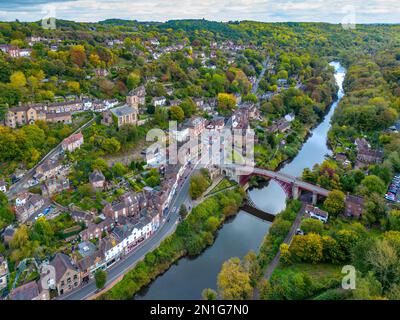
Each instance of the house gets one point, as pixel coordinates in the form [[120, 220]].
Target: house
[[122, 115], [282, 125], [127, 205], [174, 103], [3, 272], [369, 156], [65, 107], [196, 126], [181, 133], [342, 159], [315, 213], [62, 117], [30, 291], [362, 144], [3, 186], [8, 234], [73, 142], [79, 216], [97, 179], [158, 101], [21, 115], [95, 231], [28, 206], [216, 123], [67, 275], [199, 102], [92, 259], [353, 206], [48, 169], [365, 154], [53, 186], [136, 97], [101, 72]]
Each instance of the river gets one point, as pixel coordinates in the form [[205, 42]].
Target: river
[[189, 276]]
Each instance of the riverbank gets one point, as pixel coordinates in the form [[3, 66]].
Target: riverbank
[[191, 237]]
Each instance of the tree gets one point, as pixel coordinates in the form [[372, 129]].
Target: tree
[[209, 294], [334, 202], [284, 254], [198, 184], [367, 288], [312, 225], [111, 145], [189, 107], [42, 231], [307, 248], [384, 263], [372, 184], [18, 79], [183, 211], [100, 277], [133, 80], [119, 170], [394, 220], [226, 103], [177, 113], [234, 281], [78, 55], [100, 164]]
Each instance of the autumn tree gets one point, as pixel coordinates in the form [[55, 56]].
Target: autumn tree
[[234, 281], [78, 55], [334, 202], [226, 103]]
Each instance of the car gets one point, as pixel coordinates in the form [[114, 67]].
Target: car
[[300, 232]]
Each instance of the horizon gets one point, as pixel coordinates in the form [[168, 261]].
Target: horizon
[[268, 11]]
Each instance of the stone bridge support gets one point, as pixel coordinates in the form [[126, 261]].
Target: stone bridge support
[[314, 198], [295, 192]]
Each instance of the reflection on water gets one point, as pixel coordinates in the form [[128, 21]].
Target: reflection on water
[[189, 277], [272, 198]]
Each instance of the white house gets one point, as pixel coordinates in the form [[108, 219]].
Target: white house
[[158, 101]]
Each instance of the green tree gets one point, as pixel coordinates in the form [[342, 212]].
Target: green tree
[[312, 225], [372, 184], [177, 113], [334, 202], [209, 294], [100, 277], [183, 211]]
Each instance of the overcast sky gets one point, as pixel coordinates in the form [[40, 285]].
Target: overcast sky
[[335, 11]]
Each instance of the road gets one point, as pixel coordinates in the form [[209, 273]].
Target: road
[[261, 75], [129, 261], [19, 186], [288, 240]]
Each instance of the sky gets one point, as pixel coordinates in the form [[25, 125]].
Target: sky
[[333, 11]]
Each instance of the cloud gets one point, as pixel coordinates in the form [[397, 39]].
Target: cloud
[[365, 11]]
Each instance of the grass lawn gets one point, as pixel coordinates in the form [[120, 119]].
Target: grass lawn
[[316, 271], [224, 184]]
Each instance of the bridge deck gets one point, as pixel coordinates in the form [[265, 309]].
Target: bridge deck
[[284, 177]]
